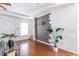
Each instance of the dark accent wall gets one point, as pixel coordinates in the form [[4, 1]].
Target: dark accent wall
[[41, 28], [36, 28]]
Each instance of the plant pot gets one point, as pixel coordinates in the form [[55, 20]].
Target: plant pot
[[10, 44], [55, 49]]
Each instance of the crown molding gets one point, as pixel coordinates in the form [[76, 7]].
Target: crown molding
[[14, 14]]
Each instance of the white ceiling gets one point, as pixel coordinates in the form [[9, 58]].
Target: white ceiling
[[29, 8]]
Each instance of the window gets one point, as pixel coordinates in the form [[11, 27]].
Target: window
[[24, 28]]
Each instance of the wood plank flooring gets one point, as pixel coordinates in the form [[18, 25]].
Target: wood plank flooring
[[34, 48]]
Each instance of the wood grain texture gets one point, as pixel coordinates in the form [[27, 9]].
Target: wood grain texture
[[34, 48]]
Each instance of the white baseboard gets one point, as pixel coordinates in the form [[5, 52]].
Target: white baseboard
[[43, 42]]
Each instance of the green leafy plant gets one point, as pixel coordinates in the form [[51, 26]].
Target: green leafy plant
[[10, 41], [49, 29], [55, 34], [5, 35]]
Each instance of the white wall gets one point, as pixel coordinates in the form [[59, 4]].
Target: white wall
[[7, 24], [66, 17], [11, 24]]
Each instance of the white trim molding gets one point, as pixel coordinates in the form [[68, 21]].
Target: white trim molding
[[42, 42], [14, 14]]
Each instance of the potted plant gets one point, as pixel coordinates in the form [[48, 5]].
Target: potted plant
[[10, 42], [54, 33]]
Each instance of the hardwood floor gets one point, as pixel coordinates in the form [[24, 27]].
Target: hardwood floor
[[34, 48]]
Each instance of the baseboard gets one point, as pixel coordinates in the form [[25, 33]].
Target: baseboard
[[69, 51], [43, 42]]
